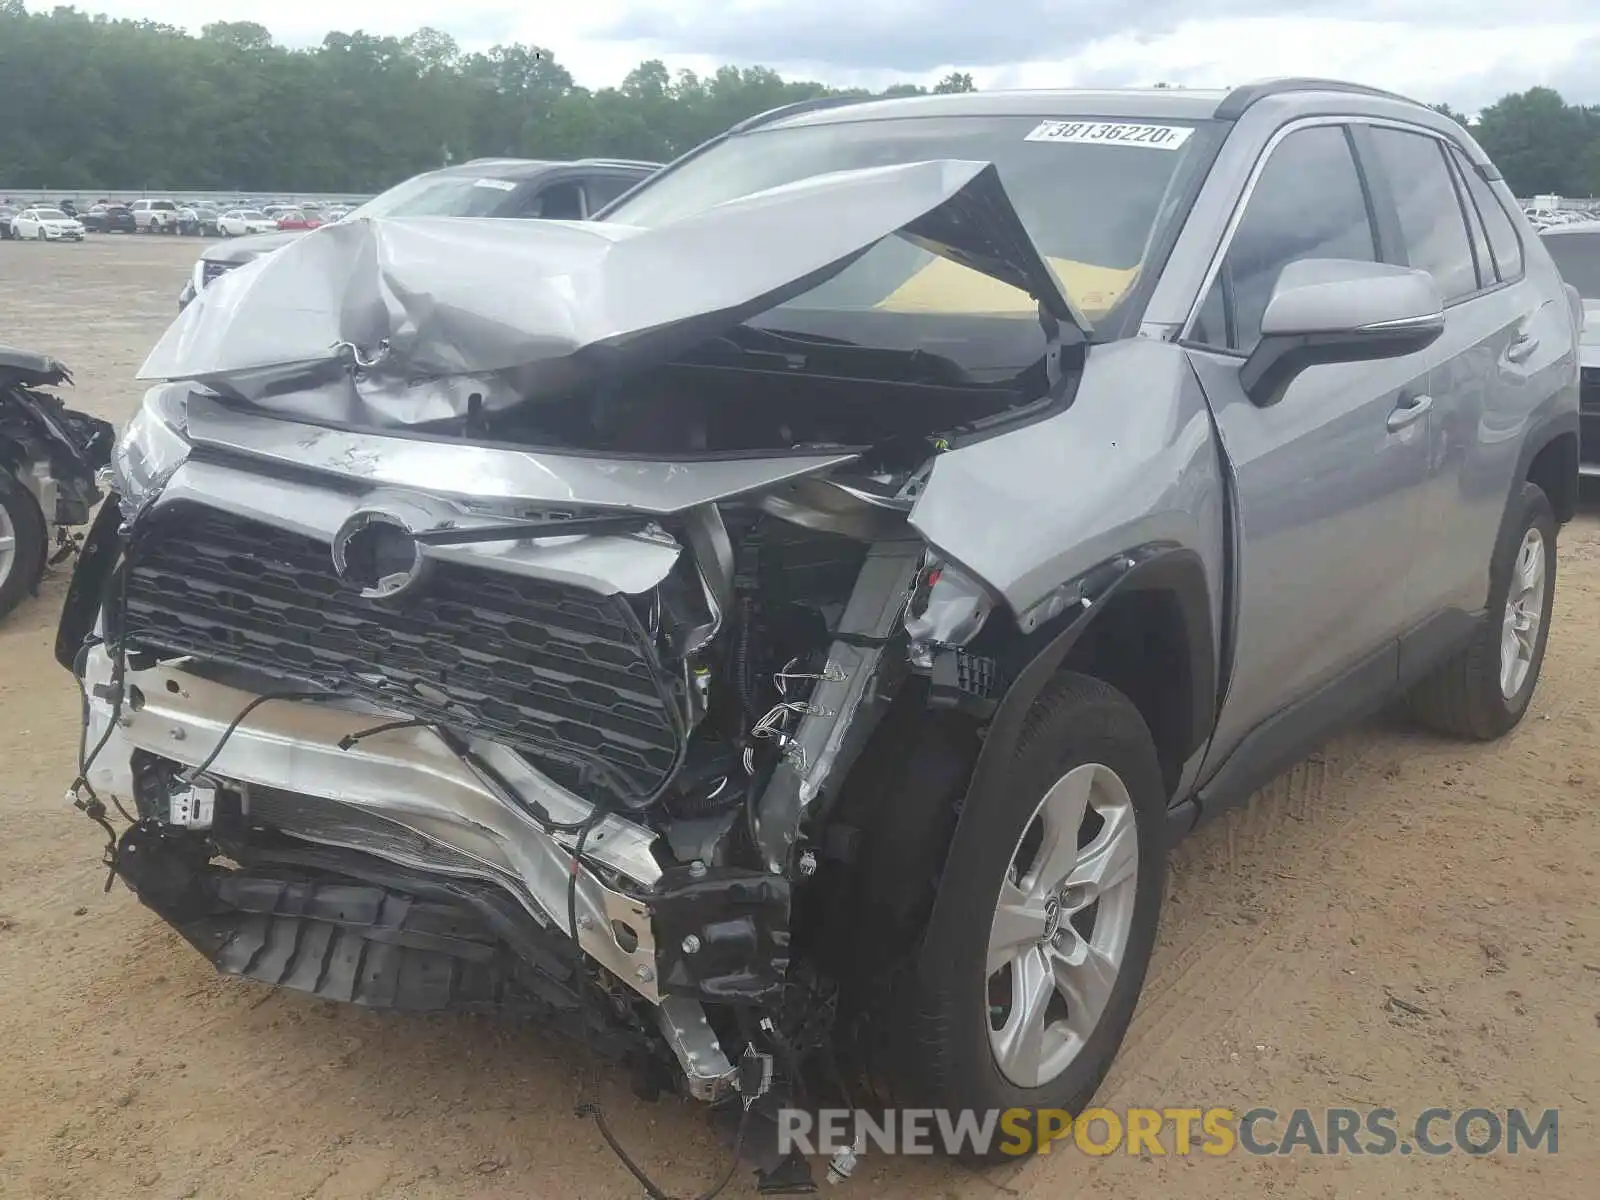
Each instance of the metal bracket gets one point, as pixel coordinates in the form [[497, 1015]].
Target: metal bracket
[[705, 1065]]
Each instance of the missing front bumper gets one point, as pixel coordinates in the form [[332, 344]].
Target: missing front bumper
[[403, 796]]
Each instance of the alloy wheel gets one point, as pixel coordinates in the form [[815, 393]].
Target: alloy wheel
[[1524, 614], [8, 547], [1062, 925]]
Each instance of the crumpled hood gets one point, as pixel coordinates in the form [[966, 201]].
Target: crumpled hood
[[557, 302]]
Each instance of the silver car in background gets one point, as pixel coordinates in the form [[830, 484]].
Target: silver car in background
[[1575, 247]]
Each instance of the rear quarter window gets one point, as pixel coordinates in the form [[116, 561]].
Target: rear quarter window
[[1503, 239]]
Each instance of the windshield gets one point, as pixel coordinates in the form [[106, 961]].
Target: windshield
[[51, 214], [251, 214], [1577, 257], [441, 196], [1092, 207]]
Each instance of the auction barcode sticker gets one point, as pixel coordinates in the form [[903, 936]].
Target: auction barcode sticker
[[1111, 133]]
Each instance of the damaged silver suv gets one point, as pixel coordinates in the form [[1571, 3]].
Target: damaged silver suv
[[780, 626]]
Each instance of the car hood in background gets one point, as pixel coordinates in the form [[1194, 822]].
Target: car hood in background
[[238, 251], [546, 305]]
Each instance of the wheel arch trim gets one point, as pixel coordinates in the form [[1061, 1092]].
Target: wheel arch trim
[[1176, 570]]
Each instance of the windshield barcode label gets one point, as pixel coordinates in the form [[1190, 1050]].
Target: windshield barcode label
[[1111, 133]]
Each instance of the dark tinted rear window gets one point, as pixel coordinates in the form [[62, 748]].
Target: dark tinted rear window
[[1577, 257]]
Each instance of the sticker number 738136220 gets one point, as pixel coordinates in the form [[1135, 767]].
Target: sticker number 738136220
[[1111, 133]]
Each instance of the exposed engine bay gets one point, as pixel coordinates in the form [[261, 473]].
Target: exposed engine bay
[[568, 689]]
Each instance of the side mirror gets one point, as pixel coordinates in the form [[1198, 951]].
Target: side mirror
[[1328, 310]]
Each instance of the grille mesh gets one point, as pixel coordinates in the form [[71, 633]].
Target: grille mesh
[[559, 674]]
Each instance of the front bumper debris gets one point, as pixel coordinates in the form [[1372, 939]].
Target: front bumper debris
[[402, 795]]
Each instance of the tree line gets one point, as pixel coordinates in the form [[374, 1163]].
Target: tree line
[[88, 102]]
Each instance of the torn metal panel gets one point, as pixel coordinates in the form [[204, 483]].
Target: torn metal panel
[[552, 303]]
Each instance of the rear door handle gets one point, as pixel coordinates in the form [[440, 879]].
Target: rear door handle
[[1521, 350], [1408, 410]]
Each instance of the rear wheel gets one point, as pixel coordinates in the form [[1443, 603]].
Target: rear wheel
[[1485, 689], [1038, 944], [22, 542]]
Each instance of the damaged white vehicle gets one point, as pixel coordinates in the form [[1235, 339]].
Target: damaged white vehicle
[[775, 630]]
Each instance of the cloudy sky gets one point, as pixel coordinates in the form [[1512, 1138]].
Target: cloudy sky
[[1465, 52]]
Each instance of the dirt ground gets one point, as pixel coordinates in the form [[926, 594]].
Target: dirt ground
[[1401, 922]]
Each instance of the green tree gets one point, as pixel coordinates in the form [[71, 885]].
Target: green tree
[[1541, 143], [1460, 118]]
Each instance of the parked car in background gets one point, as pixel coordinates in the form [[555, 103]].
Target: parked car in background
[[1575, 246], [70, 207], [490, 187], [155, 216], [241, 222], [298, 219], [1013, 481], [7, 211], [46, 225], [199, 220], [109, 218], [336, 212]]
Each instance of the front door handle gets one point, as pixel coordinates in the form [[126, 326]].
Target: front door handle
[[1521, 350], [1407, 411]]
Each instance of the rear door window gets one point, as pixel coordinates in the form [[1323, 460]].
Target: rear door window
[[558, 202], [603, 189], [1503, 239], [1433, 228]]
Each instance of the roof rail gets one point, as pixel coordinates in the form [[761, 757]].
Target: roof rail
[[1235, 103], [795, 109], [619, 162]]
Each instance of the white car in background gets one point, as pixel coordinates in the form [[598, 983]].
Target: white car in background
[[240, 222], [155, 216], [46, 225]]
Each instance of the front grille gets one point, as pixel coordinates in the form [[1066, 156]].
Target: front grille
[[561, 675]]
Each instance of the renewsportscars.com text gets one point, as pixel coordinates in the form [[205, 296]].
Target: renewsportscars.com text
[[1173, 1131]]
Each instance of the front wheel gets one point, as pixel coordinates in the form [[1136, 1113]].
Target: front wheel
[[1484, 690], [1038, 944], [22, 542]]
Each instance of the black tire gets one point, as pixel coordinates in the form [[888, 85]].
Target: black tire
[[942, 1052], [27, 563], [1463, 697]]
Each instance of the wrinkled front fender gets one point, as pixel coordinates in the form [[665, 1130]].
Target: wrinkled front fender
[[1132, 460]]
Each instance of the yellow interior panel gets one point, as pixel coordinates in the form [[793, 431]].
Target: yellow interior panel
[[948, 287]]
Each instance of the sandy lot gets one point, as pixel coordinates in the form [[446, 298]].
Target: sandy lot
[[1457, 880]]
